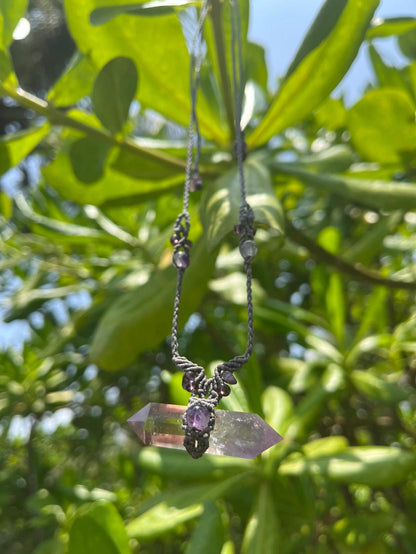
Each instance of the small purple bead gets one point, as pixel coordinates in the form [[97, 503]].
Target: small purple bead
[[188, 382], [196, 182], [237, 229], [228, 377], [174, 240], [224, 390], [180, 259], [197, 417]]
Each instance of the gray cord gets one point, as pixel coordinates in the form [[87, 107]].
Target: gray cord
[[207, 392]]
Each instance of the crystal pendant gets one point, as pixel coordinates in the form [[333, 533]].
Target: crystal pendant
[[237, 434]]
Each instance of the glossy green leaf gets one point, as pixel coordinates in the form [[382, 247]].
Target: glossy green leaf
[[174, 464], [335, 306], [277, 407], [6, 206], [13, 148], [75, 83], [262, 531], [164, 72], [11, 13], [407, 43], [113, 91], [315, 78], [88, 158], [320, 29], [382, 126], [221, 202], [332, 115], [327, 446], [387, 75], [128, 190], [99, 16], [256, 68], [8, 80], [377, 388], [373, 193], [98, 528], [375, 466], [332, 160], [388, 27], [140, 319], [208, 536], [171, 509]]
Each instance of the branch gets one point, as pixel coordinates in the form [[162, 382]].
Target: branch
[[217, 19], [357, 271], [59, 117]]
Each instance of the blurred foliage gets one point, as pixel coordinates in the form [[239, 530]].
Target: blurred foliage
[[97, 159]]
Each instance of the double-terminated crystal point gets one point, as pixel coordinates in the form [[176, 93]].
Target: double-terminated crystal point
[[237, 434]]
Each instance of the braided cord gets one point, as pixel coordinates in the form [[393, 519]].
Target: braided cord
[[207, 392]]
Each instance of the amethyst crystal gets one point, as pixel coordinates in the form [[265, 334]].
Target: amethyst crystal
[[238, 434], [224, 390], [180, 259], [248, 249], [197, 417], [228, 377], [189, 382]]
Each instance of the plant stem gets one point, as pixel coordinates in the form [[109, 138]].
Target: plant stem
[[355, 270], [59, 117], [216, 16]]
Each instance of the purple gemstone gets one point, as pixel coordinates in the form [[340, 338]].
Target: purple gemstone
[[248, 249], [224, 390], [174, 240], [188, 382], [228, 377], [237, 229], [197, 417], [196, 182], [180, 260]]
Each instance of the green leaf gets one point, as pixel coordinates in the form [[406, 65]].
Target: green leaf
[[164, 72], [170, 509], [378, 389], [75, 83], [221, 202], [377, 194], [11, 13], [315, 78], [146, 312], [174, 464], [374, 466], [387, 75], [129, 190], [407, 43], [98, 527], [262, 531], [8, 79], [88, 158], [381, 28], [331, 160], [320, 29], [99, 16], [113, 91], [382, 126], [335, 306], [332, 115], [208, 536], [256, 68], [13, 148], [327, 446], [6, 206], [277, 407]]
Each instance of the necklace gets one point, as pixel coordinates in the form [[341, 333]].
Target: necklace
[[200, 427]]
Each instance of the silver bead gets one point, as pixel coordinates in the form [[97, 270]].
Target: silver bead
[[248, 249]]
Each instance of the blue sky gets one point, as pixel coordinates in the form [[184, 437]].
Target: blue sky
[[280, 25]]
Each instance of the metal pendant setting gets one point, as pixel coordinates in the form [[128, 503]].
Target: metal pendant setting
[[237, 434]]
